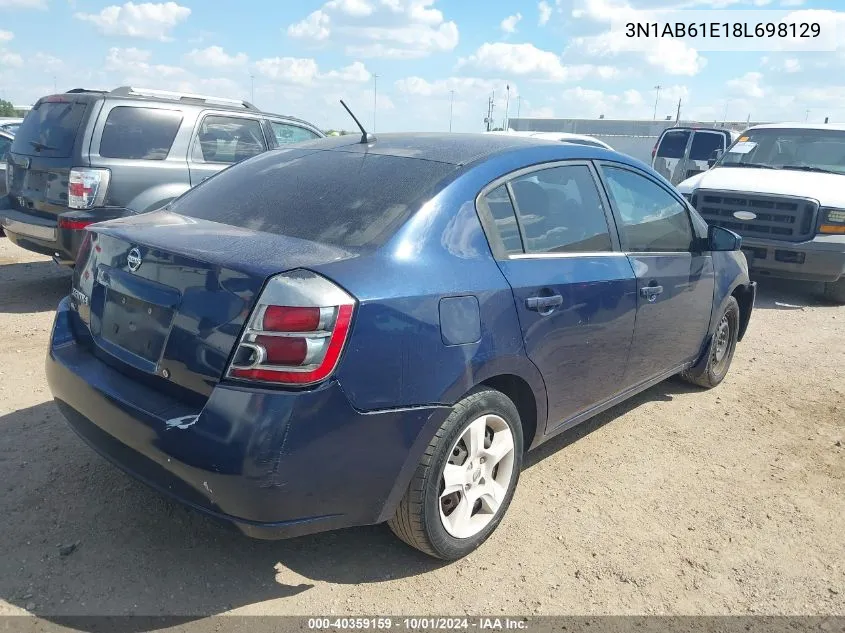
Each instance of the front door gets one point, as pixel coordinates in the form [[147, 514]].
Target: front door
[[221, 141], [675, 284], [575, 292]]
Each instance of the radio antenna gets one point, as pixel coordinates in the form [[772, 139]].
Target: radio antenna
[[366, 138]]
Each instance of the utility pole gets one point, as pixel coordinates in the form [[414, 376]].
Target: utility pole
[[252, 88], [678, 115], [656, 99], [518, 105], [491, 104], [725, 115], [507, 107], [806, 116], [451, 107], [375, 100]]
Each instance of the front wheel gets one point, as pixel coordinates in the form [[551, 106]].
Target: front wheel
[[722, 349], [466, 479], [835, 291]]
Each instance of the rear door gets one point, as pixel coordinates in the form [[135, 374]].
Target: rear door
[[48, 143], [575, 291], [675, 282], [703, 148], [223, 139], [137, 143], [671, 152]]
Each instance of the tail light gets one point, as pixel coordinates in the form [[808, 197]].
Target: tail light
[[86, 187], [74, 225], [296, 332]]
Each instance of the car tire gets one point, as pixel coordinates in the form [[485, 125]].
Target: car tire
[[450, 523], [835, 291], [721, 350]]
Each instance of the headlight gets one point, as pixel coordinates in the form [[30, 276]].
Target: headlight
[[832, 221]]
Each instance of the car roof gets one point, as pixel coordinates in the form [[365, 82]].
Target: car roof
[[837, 127], [453, 148]]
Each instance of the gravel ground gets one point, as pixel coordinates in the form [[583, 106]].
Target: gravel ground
[[680, 501]]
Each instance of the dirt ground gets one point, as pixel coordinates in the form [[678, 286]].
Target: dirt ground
[[680, 501]]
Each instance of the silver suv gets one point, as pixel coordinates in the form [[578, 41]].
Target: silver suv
[[84, 156]]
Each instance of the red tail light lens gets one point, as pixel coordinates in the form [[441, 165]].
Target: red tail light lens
[[74, 225], [296, 333]]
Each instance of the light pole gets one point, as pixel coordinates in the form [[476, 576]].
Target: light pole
[[507, 106], [518, 105], [656, 99], [451, 107], [375, 100], [806, 116]]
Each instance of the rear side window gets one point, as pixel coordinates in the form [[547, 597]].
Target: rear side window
[[673, 144], [704, 144], [49, 129], [561, 211], [287, 133], [139, 133], [498, 202], [224, 139], [346, 199], [652, 219]]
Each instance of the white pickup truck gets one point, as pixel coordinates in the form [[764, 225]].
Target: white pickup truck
[[782, 188]]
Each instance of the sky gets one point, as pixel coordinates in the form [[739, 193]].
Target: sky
[[405, 65]]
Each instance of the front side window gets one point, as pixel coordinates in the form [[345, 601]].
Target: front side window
[[287, 133], [652, 219], [704, 144], [797, 149], [224, 139], [139, 133], [561, 211]]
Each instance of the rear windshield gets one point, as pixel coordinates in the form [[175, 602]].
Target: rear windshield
[[346, 199], [49, 129], [139, 133]]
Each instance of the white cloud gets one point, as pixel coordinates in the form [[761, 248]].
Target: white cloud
[[747, 86], [23, 4], [306, 72], [545, 10], [508, 25], [394, 29], [6, 36], [146, 20], [314, 27], [47, 62], [132, 64], [9, 59], [791, 3], [463, 86], [528, 60], [216, 57]]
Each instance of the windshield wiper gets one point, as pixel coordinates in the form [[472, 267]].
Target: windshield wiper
[[757, 165], [41, 146], [820, 170]]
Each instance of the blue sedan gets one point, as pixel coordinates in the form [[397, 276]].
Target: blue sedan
[[353, 332]]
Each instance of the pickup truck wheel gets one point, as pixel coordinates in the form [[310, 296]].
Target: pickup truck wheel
[[835, 291], [721, 350], [465, 480]]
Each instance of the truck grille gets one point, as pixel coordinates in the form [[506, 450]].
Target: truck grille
[[777, 217]]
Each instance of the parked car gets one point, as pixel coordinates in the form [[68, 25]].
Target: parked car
[[782, 187], [564, 137], [683, 152], [9, 124], [85, 156], [346, 333], [6, 139]]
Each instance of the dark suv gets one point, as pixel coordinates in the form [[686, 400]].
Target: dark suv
[[85, 156]]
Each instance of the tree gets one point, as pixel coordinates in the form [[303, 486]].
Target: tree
[[7, 109]]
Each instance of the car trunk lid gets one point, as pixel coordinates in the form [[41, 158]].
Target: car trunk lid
[[165, 297]]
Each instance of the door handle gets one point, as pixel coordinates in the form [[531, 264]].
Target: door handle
[[543, 304], [651, 292]]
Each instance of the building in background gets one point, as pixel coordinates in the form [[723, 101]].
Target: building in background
[[629, 136]]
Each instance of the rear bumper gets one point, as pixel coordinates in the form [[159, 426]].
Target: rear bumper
[[820, 259], [45, 236], [276, 464]]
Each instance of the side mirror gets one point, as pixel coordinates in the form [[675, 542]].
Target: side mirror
[[716, 155], [721, 239]]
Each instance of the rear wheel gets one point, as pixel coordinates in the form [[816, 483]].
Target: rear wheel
[[835, 291], [721, 350], [466, 479]]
